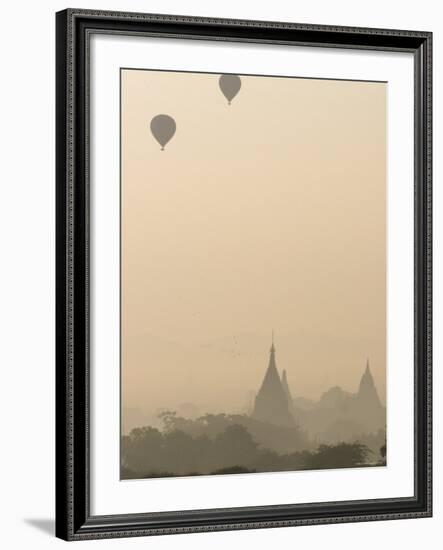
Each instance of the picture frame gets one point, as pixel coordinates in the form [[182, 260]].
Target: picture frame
[[75, 519]]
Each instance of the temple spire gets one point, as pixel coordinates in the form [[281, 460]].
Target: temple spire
[[271, 403], [367, 390], [272, 364]]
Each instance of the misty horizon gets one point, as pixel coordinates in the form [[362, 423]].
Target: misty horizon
[[247, 364], [240, 398]]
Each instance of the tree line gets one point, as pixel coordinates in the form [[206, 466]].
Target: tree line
[[224, 447]]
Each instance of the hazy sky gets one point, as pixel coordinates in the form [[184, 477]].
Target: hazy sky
[[265, 214]]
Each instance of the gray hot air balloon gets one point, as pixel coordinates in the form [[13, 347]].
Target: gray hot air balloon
[[163, 128], [230, 85]]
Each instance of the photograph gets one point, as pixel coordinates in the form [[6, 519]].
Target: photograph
[[253, 244]]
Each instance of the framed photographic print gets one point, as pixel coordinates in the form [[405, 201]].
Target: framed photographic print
[[243, 274]]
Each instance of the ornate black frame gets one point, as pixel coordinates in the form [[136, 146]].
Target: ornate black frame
[[73, 518]]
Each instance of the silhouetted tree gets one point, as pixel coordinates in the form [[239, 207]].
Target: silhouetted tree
[[343, 455], [234, 446], [143, 449]]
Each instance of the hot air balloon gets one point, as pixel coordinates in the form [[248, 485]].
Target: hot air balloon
[[230, 85], [163, 128]]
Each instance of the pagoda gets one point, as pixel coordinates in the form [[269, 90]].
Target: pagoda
[[271, 402]]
